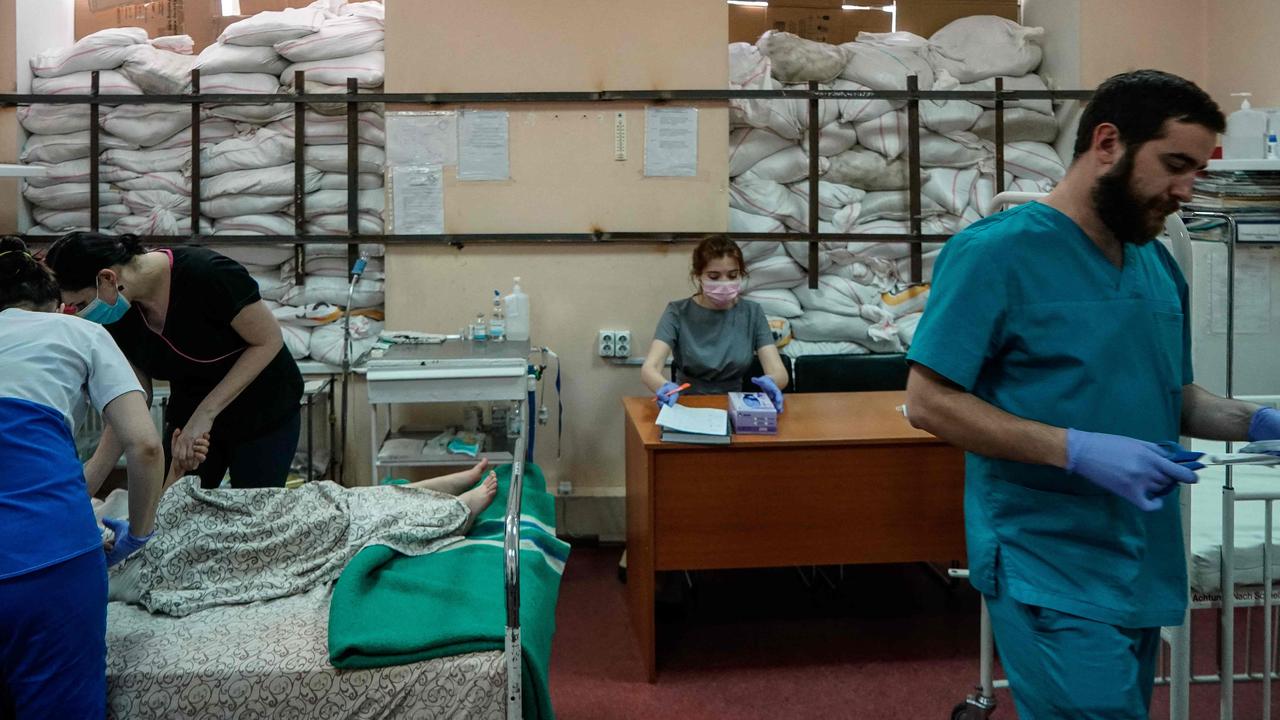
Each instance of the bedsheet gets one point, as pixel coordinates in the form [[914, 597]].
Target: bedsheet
[[1206, 528]]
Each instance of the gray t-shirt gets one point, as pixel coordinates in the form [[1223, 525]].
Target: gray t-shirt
[[712, 349]]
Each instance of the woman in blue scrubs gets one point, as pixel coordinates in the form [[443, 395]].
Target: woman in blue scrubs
[[1056, 350], [53, 577]]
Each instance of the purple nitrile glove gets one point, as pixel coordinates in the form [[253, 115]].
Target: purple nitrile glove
[[1265, 425], [664, 396], [126, 543], [770, 388], [1136, 470]]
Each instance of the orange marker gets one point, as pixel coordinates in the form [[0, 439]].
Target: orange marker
[[672, 391]]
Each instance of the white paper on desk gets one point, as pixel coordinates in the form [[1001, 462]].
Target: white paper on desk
[[422, 138], [702, 421], [417, 200], [483, 146], [670, 142]]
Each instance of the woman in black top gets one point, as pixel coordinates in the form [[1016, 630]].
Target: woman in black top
[[193, 317]]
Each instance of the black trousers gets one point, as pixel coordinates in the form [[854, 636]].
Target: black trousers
[[258, 462]]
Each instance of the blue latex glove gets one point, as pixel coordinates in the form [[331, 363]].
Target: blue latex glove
[[663, 398], [770, 388], [1265, 425], [126, 543], [1137, 471]]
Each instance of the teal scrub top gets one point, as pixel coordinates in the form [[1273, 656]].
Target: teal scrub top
[[1026, 313]]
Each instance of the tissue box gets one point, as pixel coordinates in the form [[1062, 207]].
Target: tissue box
[[752, 414]]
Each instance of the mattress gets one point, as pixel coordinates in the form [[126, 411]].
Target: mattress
[[1206, 527], [271, 660]]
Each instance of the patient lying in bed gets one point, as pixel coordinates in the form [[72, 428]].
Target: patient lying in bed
[[223, 547]]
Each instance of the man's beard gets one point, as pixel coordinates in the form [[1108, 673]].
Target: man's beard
[[1129, 218]]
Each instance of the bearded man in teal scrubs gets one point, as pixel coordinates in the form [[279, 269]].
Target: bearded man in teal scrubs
[[1056, 351]]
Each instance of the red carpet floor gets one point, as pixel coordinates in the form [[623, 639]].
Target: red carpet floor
[[887, 642]]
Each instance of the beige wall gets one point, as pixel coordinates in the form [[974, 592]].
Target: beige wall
[[564, 179], [1164, 34], [1241, 37], [8, 116]]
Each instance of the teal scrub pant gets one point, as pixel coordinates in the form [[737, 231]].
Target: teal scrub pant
[[1062, 666]]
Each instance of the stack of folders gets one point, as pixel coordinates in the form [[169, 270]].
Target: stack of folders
[[703, 426]]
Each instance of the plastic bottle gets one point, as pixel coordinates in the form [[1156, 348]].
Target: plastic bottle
[[1246, 135], [517, 312], [479, 329], [1273, 148], [497, 320]]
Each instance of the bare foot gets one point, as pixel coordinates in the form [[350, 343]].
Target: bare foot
[[479, 498], [455, 483]]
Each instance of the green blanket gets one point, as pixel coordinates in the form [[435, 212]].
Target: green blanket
[[392, 609]]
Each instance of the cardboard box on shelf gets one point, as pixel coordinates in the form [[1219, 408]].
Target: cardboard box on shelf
[[747, 23], [925, 17], [822, 25]]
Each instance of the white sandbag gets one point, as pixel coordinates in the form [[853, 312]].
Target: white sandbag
[[146, 161], [749, 69], [886, 134], [984, 189], [337, 107], [270, 255], [753, 250], [160, 222], [777, 302], [221, 58], [799, 252], [68, 220], [297, 340], [269, 28], [776, 271], [328, 202], [212, 130], [832, 139], [803, 348], [240, 83], [862, 168], [1033, 161], [42, 231], [338, 37], [331, 130], [367, 223], [180, 44], [861, 109], [982, 46], [338, 181], [110, 82], [368, 68], [327, 341], [882, 67], [1020, 124], [766, 198], [747, 146], [787, 166], [905, 301], [949, 116], [907, 328], [333, 158], [69, 196], [960, 149], [338, 267], [333, 290], [172, 181], [277, 180], [103, 50], [46, 119], [903, 269], [745, 222], [255, 114], [261, 149], [901, 40], [819, 326], [77, 171], [144, 202], [829, 298], [951, 188], [146, 125], [158, 72], [1026, 82], [885, 226], [894, 206], [796, 60], [831, 197], [306, 316], [274, 285], [319, 250], [235, 205], [369, 8]]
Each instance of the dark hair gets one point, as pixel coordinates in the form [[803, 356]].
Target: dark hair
[[716, 246], [76, 257], [1139, 102], [23, 279]]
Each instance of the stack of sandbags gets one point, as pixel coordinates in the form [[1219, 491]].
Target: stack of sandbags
[[863, 167]]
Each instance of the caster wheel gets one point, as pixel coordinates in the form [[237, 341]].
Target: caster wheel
[[965, 711]]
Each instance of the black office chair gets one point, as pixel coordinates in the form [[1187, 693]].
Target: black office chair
[[838, 373]]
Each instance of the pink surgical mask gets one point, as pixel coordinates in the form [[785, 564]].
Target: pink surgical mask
[[721, 293]]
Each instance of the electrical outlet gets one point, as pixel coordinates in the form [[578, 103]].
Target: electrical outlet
[[605, 343], [620, 136], [564, 488], [622, 343]]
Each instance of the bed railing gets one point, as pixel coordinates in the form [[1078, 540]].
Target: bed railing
[[511, 561]]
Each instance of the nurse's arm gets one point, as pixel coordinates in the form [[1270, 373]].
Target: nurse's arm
[[105, 457], [943, 409], [1210, 417], [261, 332], [651, 372], [130, 415], [771, 362]]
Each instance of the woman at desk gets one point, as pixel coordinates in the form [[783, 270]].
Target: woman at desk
[[713, 335], [193, 317]]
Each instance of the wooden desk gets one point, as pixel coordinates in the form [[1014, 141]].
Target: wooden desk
[[846, 480]]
